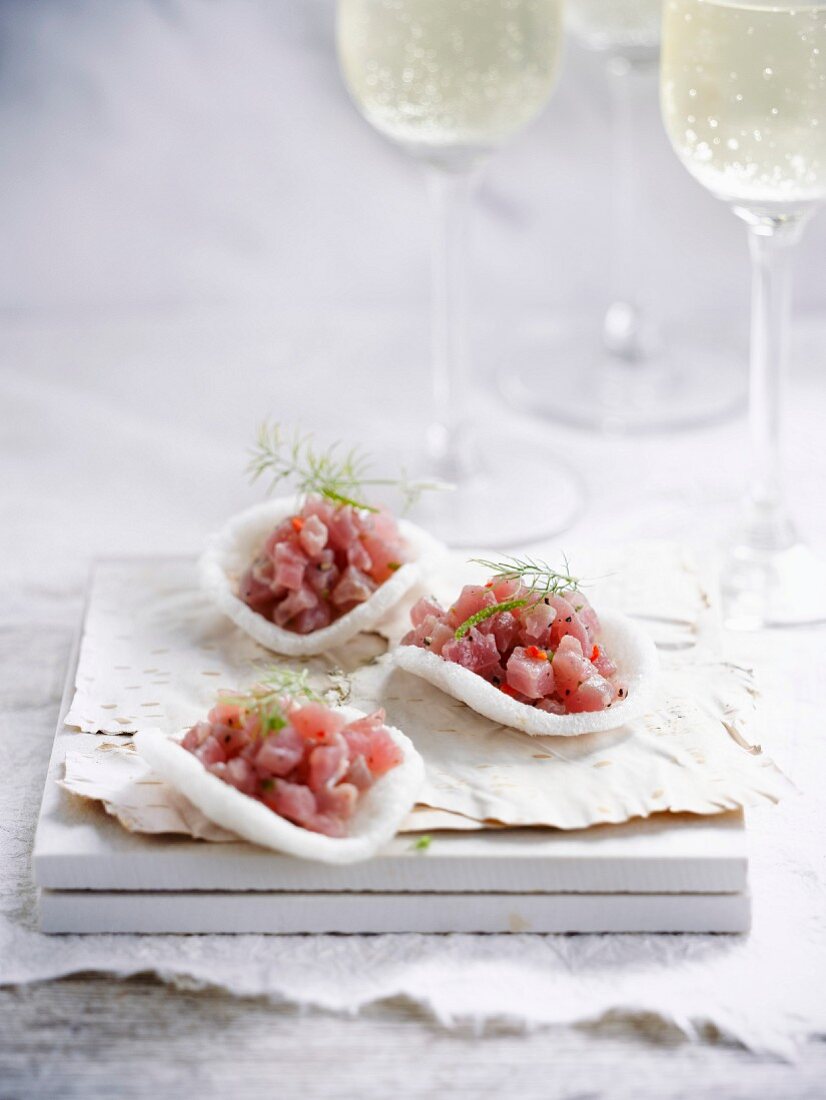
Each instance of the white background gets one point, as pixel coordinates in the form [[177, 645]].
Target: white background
[[184, 151]]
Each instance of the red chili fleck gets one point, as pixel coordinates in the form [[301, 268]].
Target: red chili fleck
[[507, 689], [489, 584], [595, 653], [297, 522], [536, 653]]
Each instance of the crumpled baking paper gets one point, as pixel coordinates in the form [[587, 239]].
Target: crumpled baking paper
[[155, 651]]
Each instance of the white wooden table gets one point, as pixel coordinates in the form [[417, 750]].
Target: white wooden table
[[91, 1037]]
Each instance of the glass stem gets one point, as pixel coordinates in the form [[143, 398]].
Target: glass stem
[[768, 527], [623, 328], [450, 192]]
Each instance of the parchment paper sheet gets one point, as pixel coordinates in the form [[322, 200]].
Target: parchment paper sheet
[[155, 652]]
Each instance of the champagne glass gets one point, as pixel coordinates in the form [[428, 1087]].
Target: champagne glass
[[743, 90], [632, 373], [450, 81]]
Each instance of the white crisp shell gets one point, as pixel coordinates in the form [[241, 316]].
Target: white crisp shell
[[628, 645], [379, 811], [230, 552]]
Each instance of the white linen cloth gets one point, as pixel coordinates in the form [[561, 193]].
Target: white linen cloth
[[125, 434]]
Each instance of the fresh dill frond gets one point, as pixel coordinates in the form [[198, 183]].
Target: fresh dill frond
[[289, 681], [265, 697], [340, 476], [533, 573]]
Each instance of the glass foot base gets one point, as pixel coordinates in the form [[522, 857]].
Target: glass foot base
[[781, 588], [514, 494], [570, 377]]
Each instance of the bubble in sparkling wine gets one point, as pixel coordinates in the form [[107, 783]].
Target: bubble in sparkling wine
[[744, 96], [460, 73]]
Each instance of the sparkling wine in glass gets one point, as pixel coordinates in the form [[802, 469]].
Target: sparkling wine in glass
[[743, 88], [632, 373], [450, 81]]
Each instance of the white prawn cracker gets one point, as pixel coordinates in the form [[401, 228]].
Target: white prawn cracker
[[379, 812], [628, 645], [231, 551]]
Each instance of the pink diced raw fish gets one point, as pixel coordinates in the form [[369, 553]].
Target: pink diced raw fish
[[322, 574], [310, 771], [290, 563], [523, 640], [353, 588], [256, 586], [477, 652], [369, 738], [570, 670], [226, 714], [594, 694], [569, 644], [343, 528], [312, 619], [280, 752], [507, 590], [337, 801], [196, 736], [321, 507], [530, 676], [301, 600], [537, 620], [358, 773], [211, 752], [506, 628], [338, 552], [358, 557], [604, 665], [241, 774], [383, 525], [231, 739], [316, 722], [252, 725], [292, 800], [328, 763], [551, 706], [386, 557], [284, 532], [472, 598], [313, 536], [425, 608], [586, 614], [439, 637], [383, 753], [369, 724], [567, 622]]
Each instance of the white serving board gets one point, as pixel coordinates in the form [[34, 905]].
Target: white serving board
[[665, 874], [157, 912]]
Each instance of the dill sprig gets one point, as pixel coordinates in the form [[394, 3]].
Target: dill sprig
[[266, 697], [340, 476], [533, 573]]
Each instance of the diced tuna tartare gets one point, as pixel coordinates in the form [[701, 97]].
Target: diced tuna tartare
[[298, 757], [321, 563], [541, 649]]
